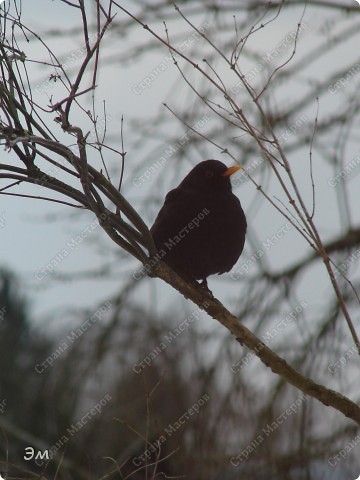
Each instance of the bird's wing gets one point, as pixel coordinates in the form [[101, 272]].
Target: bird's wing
[[172, 199]]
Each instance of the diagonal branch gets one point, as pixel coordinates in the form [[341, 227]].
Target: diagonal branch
[[244, 336]]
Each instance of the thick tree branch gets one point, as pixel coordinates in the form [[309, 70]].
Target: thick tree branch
[[278, 365]]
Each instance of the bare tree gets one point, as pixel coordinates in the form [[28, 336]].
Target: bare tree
[[260, 108]]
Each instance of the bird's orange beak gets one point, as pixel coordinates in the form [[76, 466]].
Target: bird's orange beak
[[231, 170]]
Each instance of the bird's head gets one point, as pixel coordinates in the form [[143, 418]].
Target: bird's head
[[209, 176]]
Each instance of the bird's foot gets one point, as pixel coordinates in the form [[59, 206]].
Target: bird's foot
[[204, 285]]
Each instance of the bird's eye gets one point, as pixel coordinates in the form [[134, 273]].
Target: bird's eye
[[209, 174]]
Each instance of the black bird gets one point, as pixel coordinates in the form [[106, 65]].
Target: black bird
[[200, 230]]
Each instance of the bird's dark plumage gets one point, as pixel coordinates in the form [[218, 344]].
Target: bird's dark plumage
[[200, 230]]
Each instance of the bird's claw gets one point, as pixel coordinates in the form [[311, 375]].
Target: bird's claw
[[204, 285]]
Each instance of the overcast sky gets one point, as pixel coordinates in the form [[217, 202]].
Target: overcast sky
[[34, 233]]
